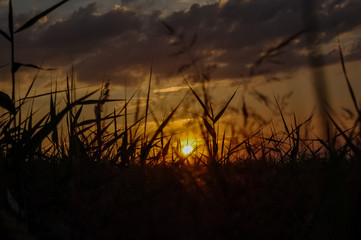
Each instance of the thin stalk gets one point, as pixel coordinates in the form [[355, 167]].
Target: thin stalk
[[11, 32], [148, 95], [12, 49]]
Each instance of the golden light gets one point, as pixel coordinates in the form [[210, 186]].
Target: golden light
[[187, 149]]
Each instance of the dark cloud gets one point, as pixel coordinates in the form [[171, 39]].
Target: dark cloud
[[122, 43], [84, 30]]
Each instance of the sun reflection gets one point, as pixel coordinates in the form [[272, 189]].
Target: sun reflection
[[187, 149]]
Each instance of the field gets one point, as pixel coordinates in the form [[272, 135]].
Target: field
[[113, 176]]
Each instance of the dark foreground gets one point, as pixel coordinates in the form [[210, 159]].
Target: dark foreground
[[255, 199]]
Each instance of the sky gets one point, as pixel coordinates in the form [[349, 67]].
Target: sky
[[218, 42]]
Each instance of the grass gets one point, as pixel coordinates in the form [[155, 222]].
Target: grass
[[108, 177]]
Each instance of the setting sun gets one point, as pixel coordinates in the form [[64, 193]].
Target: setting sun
[[187, 149]]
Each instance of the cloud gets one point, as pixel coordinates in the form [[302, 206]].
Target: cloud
[[121, 43], [244, 29]]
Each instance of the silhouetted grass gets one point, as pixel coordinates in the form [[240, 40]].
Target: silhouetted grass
[[108, 177]]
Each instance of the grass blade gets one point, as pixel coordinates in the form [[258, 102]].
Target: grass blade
[[11, 32], [219, 115], [5, 35], [147, 105], [33, 20], [49, 126], [200, 101], [210, 129], [273, 51], [11, 20], [17, 66], [145, 150], [283, 119], [54, 136], [166, 148], [347, 80], [29, 89], [171, 30], [244, 112], [5, 102]]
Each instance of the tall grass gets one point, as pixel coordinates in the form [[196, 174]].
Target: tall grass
[[113, 178]]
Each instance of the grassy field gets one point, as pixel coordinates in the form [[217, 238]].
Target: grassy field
[[110, 177]]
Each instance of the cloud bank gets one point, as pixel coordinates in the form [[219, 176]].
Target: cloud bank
[[122, 43]]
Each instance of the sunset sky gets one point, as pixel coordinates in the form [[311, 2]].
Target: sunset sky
[[118, 40]]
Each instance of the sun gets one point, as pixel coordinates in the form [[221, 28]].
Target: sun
[[187, 149]]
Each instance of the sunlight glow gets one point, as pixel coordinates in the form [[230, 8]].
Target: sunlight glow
[[187, 149]]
